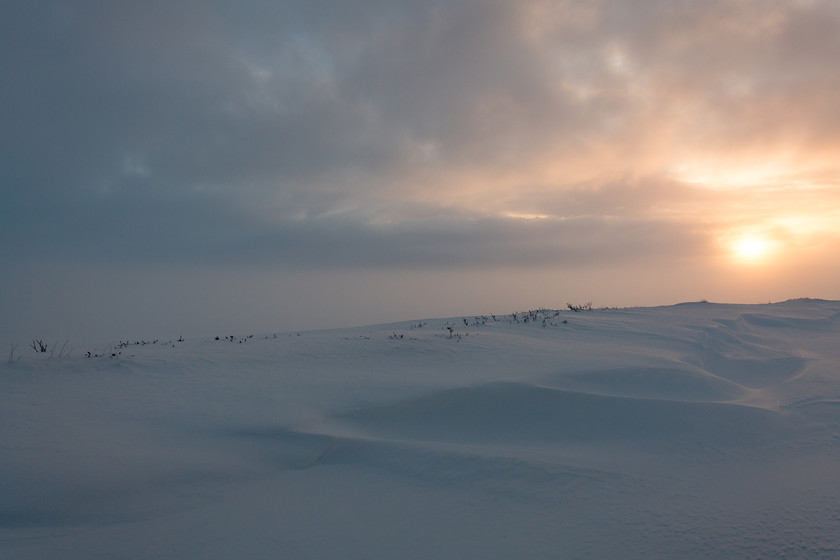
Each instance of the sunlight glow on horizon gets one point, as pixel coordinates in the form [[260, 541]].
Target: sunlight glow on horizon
[[623, 152], [716, 177], [752, 249]]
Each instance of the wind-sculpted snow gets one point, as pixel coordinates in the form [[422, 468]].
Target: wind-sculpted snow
[[684, 383], [514, 414], [690, 431]]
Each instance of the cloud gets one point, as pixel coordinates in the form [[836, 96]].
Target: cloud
[[409, 134]]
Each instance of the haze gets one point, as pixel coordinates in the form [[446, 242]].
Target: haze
[[210, 167]]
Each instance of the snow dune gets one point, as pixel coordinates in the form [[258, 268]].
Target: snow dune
[[689, 431]]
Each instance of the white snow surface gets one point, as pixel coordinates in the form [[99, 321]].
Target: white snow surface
[[691, 431]]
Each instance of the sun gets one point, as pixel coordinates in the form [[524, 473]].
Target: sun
[[752, 249]]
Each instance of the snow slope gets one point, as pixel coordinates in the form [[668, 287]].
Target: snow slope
[[691, 431]]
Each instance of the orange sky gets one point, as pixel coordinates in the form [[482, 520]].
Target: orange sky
[[517, 153]]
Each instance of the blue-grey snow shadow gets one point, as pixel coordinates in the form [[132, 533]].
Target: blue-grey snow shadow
[[651, 382], [57, 498], [515, 413], [753, 373]]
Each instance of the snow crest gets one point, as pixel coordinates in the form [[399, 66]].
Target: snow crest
[[689, 431]]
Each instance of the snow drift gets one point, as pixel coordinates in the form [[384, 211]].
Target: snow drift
[[692, 431]]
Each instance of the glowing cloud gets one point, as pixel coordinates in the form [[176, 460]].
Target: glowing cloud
[[752, 249]]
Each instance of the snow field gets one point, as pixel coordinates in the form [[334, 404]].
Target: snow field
[[691, 431]]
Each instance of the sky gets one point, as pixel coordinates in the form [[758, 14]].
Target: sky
[[212, 167]]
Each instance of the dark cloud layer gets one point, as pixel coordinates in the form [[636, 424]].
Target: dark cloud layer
[[413, 134]]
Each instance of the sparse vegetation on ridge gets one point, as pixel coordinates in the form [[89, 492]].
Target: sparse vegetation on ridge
[[40, 347], [543, 316], [12, 358]]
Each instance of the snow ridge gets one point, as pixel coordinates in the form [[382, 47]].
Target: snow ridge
[[692, 431]]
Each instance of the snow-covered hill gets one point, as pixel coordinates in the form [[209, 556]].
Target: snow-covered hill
[[691, 431]]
